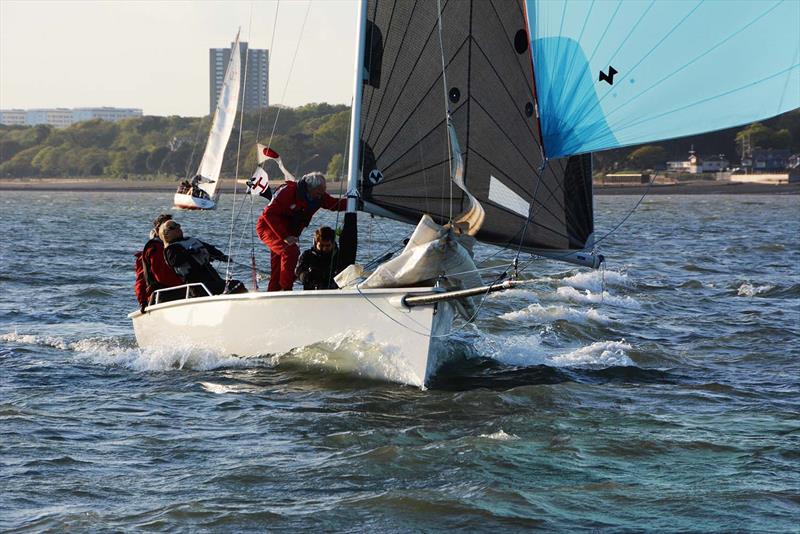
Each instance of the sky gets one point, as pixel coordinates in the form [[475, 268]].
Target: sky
[[153, 54]]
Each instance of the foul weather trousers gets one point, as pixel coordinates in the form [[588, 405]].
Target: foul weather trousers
[[283, 259]]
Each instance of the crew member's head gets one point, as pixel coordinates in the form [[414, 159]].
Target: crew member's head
[[315, 185], [325, 239], [157, 222], [170, 231]]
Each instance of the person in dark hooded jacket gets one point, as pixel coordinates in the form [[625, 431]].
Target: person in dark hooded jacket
[[191, 259], [319, 265]]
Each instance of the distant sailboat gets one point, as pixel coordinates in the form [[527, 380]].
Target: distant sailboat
[[477, 120], [203, 191]]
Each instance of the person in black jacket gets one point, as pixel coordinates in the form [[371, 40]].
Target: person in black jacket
[[191, 258], [318, 265]]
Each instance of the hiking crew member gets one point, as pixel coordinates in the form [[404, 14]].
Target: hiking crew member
[[285, 217], [319, 264], [152, 271], [191, 259]]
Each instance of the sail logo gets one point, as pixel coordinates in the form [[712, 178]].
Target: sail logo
[[375, 176], [608, 77]]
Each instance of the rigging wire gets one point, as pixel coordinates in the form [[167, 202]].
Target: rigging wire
[[258, 134], [236, 213], [289, 75], [239, 143]]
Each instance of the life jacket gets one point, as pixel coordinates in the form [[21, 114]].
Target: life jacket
[[197, 250]]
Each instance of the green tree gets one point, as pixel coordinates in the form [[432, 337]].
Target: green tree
[[47, 161], [8, 149], [647, 157], [20, 165], [335, 170]]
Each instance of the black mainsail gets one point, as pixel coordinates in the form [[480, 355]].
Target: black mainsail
[[529, 202]]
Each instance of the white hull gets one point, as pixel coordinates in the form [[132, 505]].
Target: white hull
[[254, 324], [188, 202]]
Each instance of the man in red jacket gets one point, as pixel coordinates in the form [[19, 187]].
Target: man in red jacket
[[285, 217]]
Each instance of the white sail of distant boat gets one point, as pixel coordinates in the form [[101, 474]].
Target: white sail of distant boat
[[205, 183], [475, 118]]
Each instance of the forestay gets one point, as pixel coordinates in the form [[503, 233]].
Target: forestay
[[404, 149], [613, 73]]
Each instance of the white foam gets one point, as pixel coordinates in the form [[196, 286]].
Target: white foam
[[219, 389], [595, 280], [587, 297], [599, 354], [110, 351], [164, 359], [527, 350], [500, 435], [748, 290], [30, 339], [555, 313], [519, 293], [354, 352]]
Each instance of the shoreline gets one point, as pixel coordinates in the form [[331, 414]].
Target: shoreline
[[145, 186]]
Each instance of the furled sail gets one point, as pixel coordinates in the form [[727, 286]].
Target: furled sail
[[224, 118], [404, 149], [617, 73]]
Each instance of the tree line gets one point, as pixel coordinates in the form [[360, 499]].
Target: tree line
[[310, 137]]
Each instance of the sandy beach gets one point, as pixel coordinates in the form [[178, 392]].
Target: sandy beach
[[132, 186]]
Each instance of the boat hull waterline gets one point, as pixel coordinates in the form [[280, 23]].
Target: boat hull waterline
[[400, 344]]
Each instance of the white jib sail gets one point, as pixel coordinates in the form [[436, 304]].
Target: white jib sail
[[221, 127]]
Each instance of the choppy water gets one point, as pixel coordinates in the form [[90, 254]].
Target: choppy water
[[662, 394]]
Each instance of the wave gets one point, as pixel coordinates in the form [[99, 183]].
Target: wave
[[117, 352], [527, 350], [599, 354], [587, 297], [771, 247], [556, 313], [353, 353], [500, 435], [748, 290], [596, 280]]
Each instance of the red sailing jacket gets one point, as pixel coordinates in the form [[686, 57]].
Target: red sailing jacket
[[152, 271], [289, 212]]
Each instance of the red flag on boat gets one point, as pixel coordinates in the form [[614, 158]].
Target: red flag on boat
[[265, 153]]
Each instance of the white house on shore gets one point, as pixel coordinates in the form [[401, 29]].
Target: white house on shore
[[696, 165]]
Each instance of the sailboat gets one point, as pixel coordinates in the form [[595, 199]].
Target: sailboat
[[203, 191], [476, 119]]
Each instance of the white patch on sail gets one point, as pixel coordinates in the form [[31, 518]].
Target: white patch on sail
[[500, 193]]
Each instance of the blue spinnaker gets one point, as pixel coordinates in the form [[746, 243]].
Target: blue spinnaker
[[616, 73]]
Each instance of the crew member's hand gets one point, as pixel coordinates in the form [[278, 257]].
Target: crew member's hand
[[291, 240]]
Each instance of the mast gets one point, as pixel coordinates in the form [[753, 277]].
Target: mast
[[348, 242], [355, 115]]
